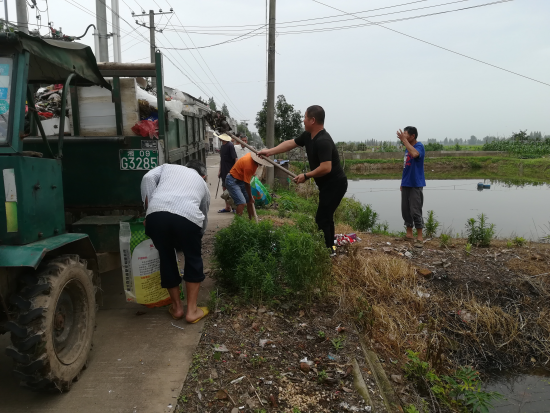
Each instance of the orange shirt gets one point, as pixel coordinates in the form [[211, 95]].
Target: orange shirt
[[244, 168]]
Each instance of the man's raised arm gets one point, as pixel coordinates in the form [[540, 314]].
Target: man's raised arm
[[282, 147]]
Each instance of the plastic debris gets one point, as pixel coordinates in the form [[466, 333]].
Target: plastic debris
[[221, 348], [237, 380]]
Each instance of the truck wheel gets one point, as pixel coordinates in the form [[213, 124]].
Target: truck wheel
[[53, 323]]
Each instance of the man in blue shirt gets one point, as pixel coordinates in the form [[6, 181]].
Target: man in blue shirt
[[413, 181]]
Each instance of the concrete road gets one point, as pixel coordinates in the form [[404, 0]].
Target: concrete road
[[138, 363]]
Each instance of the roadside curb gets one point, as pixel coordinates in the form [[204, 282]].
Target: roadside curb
[[391, 401]]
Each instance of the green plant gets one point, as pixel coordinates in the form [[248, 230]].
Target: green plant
[[321, 334], [434, 146], [519, 241], [213, 301], [366, 219], [431, 224], [445, 240], [183, 399], [462, 391], [256, 361], [296, 410], [338, 342], [322, 376], [411, 409], [259, 260], [479, 232], [468, 247]]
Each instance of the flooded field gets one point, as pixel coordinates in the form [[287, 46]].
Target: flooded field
[[516, 208]]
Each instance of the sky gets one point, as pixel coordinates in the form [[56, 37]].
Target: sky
[[371, 81]]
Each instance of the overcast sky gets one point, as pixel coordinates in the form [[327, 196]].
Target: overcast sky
[[371, 81]]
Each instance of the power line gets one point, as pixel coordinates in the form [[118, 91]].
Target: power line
[[249, 35], [213, 75], [435, 45]]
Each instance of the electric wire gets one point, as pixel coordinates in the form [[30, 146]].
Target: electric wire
[[250, 35], [282, 25], [437, 46], [209, 69]]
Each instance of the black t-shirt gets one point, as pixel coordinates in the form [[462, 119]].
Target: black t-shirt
[[227, 159], [322, 149]]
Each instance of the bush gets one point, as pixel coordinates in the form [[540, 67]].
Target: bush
[[445, 240], [479, 232], [431, 224], [434, 146], [259, 260], [366, 219], [462, 391], [519, 241]]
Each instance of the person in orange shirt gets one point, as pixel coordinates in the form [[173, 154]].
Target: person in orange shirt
[[238, 181]]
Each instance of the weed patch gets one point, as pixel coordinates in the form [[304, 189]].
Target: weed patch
[[259, 260], [479, 231]]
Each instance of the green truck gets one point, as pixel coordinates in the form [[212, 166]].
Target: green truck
[[64, 199]]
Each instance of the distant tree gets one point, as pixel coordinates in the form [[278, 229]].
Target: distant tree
[[225, 110], [212, 104], [473, 140], [520, 136], [288, 121], [243, 129], [446, 141]]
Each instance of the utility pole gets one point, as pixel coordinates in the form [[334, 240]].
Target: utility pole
[[6, 13], [270, 113], [21, 10], [101, 21], [116, 31], [152, 30]]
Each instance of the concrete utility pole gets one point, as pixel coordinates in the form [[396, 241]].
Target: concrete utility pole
[[101, 21], [116, 31], [152, 43], [21, 10], [152, 30], [6, 12], [270, 112]]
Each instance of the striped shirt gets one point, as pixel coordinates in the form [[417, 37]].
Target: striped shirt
[[178, 190]]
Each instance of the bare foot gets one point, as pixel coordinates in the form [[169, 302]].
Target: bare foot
[[177, 312], [192, 316]]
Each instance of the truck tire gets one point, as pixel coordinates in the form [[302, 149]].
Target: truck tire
[[53, 323]]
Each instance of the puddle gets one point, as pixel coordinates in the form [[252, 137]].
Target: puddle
[[524, 393]]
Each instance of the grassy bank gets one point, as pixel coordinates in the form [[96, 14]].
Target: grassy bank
[[479, 166], [426, 313]]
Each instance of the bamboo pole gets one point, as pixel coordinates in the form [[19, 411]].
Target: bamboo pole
[[288, 172]]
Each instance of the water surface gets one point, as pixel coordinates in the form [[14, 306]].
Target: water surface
[[515, 207]]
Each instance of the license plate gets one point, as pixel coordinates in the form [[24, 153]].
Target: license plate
[[138, 159]]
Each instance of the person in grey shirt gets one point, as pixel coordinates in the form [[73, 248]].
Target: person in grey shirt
[[177, 199]]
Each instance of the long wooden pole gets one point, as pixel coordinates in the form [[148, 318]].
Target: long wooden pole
[[288, 172]]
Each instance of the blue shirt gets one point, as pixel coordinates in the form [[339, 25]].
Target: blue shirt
[[414, 170]]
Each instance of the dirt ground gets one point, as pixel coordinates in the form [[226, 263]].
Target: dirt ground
[[293, 356], [284, 357]]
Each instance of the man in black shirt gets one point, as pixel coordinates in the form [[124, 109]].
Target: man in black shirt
[[228, 157], [325, 168]]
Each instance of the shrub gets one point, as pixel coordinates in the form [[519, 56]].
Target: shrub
[[260, 260], [445, 240], [479, 232], [434, 146], [519, 241], [431, 224], [462, 391], [366, 219]]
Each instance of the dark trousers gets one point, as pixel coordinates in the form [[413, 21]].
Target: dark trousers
[[331, 195], [412, 207], [170, 232]]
